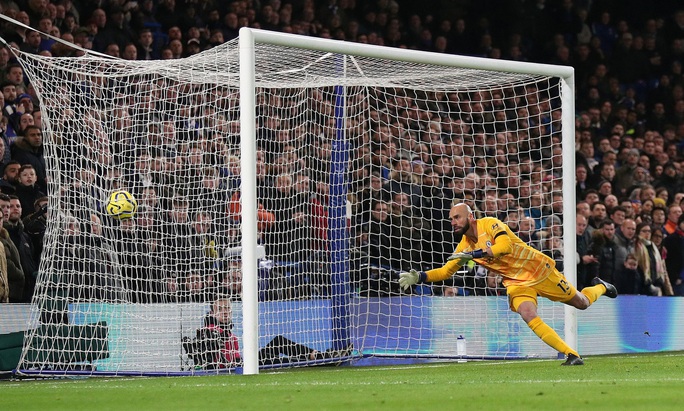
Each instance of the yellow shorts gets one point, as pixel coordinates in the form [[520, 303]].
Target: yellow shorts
[[555, 287]]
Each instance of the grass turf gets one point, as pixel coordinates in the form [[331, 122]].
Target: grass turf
[[643, 381]]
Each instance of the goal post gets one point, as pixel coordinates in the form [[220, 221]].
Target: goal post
[[329, 165], [249, 38]]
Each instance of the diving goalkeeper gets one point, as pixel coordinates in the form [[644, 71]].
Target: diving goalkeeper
[[527, 273]]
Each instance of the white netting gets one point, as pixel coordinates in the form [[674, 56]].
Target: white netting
[[356, 157]]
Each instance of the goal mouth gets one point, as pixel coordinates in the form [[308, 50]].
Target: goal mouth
[[294, 178]]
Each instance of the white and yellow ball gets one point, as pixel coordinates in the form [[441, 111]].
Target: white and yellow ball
[[121, 205]]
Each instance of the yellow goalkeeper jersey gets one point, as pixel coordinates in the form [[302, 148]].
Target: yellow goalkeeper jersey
[[515, 261]]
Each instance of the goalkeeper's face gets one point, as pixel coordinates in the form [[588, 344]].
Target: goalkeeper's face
[[460, 219], [462, 230]]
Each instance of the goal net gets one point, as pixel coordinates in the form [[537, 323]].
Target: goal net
[[287, 181]]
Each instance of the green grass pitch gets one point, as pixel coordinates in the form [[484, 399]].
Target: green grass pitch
[[617, 382]]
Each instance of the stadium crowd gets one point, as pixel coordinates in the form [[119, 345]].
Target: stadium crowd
[[629, 105]]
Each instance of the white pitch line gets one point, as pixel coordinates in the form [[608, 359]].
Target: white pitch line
[[99, 383], [117, 386]]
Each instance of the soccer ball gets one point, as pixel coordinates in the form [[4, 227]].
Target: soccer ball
[[121, 205]]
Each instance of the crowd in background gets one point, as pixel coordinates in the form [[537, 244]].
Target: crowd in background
[[629, 134]]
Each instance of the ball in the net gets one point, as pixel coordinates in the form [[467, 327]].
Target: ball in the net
[[121, 205]]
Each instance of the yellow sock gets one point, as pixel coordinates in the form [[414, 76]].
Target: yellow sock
[[594, 292], [550, 337]]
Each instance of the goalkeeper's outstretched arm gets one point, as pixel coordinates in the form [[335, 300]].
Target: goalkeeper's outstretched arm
[[409, 278], [465, 225]]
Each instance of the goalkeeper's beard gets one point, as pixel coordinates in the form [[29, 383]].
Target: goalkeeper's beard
[[463, 230]]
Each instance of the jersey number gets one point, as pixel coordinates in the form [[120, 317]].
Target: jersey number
[[564, 286]]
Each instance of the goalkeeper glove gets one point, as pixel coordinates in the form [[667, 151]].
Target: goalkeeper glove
[[465, 257], [407, 279]]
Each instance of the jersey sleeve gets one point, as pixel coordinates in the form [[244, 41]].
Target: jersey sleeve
[[448, 269], [502, 243], [444, 272]]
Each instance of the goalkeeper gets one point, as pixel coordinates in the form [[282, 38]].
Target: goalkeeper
[[527, 273]]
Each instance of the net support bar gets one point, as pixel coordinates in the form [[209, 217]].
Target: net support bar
[[339, 242]]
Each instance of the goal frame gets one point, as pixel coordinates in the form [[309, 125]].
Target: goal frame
[[248, 38]]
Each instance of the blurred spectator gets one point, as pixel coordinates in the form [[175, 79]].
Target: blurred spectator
[[144, 273], [625, 234], [402, 180], [27, 189], [647, 192], [4, 278], [628, 279], [435, 205], [381, 234], [411, 232], [537, 211], [553, 247], [195, 286], [670, 180], [146, 46], [615, 211], [230, 280], [598, 214], [662, 193], [290, 237], [10, 177], [112, 29], [528, 232], [91, 266], [130, 52], [658, 218], [605, 188], [656, 281], [317, 211], [584, 257], [9, 111], [603, 172], [168, 14], [15, 75], [31, 43], [14, 271], [192, 47], [28, 150], [176, 242], [35, 224], [610, 255], [581, 176], [112, 49], [674, 259], [372, 190], [25, 248], [207, 242], [674, 211], [624, 175]]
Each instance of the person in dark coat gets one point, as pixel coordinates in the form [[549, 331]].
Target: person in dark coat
[[674, 260], [27, 255], [27, 190], [29, 150], [15, 274]]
